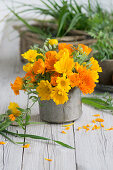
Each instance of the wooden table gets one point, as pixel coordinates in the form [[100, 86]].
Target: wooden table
[[93, 149]]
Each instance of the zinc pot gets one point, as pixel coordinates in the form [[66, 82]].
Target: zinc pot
[[105, 77], [70, 111]]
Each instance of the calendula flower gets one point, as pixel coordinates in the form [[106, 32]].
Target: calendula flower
[[70, 47], [50, 60], [12, 117], [94, 65], [59, 96], [63, 83], [30, 76], [18, 84], [39, 66], [62, 54], [74, 79], [64, 65], [53, 42], [44, 90], [13, 107], [26, 146], [28, 67], [2, 143], [30, 55], [84, 49]]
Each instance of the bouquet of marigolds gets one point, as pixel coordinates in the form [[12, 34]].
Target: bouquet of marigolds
[[52, 71]]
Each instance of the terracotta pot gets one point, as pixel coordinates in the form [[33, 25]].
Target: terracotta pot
[[70, 111], [105, 77]]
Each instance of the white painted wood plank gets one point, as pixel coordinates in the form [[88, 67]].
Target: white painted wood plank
[[94, 149]]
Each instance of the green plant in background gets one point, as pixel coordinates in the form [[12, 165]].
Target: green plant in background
[[104, 45]]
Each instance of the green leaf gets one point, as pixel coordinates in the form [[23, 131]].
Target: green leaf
[[4, 125], [37, 137]]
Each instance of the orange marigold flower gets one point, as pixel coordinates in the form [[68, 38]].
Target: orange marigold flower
[[26, 146], [84, 49], [70, 47], [39, 66], [97, 115], [99, 120], [63, 132], [74, 79], [67, 128], [87, 83], [30, 76], [48, 159], [18, 84], [50, 60], [2, 143], [12, 117]]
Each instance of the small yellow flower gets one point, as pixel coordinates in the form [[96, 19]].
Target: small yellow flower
[[44, 90], [27, 67], [2, 143], [30, 55], [53, 42], [12, 117], [63, 83], [59, 96], [26, 146], [64, 65], [13, 107]]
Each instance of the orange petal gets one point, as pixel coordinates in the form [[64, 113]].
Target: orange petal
[[99, 120], [97, 115], [48, 159], [63, 132], [79, 128], [2, 143], [26, 146], [102, 125], [93, 121], [68, 125], [67, 128]]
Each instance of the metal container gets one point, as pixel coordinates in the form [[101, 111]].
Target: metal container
[[70, 111], [105, 77]]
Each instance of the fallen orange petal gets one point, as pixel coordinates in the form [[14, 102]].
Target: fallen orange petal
[[102, 125], [93, 121], [26, 146], [67, 128], [63, 132], [2, 143], [99, 120], [48, 159], [88, 125], [97, 115]]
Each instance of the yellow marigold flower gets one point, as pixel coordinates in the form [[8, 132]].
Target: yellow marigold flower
[[13, 107], [94, 65], [84, 49], [30, 55], [70, 47], [99, 120], [97, 115], [28, 67], [18, 84], [59, 96], [63, 132], [53, 42], [67, 128], [62, 54], [48, 159], [2, 143], [39, 66], [26, 146], [44, 90], [12, 117], [64, 65], [63, 83]]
